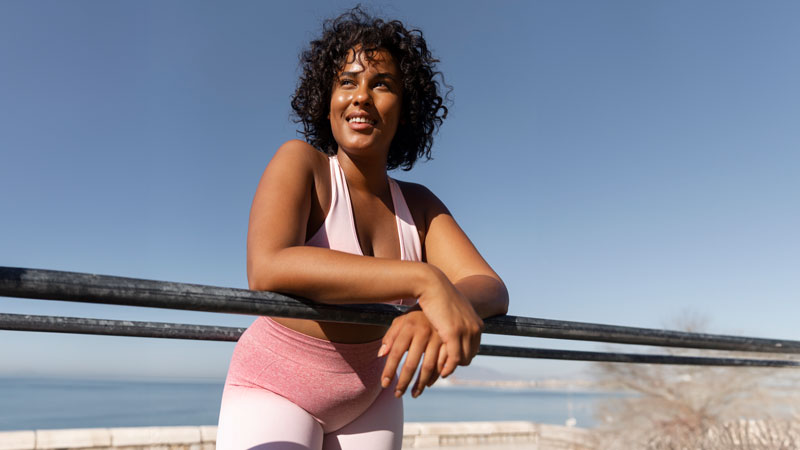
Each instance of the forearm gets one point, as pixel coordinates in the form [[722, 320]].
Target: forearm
[[330, 276], [487, 294]]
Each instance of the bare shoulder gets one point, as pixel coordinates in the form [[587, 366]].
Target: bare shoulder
[[297, 155], [285, 199], [292, 172], [300, 173]]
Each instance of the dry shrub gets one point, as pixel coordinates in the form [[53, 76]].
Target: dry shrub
[[694, 407]]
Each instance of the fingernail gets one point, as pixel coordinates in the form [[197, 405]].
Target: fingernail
[[382, 351], [415, 393], [385, 382], [398, 394]]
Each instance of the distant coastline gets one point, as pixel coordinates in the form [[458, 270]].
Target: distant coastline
[[553, 384], [78, 402]]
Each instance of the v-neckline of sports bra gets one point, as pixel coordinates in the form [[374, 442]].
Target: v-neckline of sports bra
[[352, 213]]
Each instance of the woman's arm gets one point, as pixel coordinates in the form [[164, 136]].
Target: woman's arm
[[446, 247], [278, 260]]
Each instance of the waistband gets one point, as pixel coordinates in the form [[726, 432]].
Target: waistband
[[302, 348]]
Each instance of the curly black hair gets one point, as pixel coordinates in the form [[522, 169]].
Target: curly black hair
[[423, 109]]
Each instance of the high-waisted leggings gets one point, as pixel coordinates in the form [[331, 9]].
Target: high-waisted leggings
[[289, 391]]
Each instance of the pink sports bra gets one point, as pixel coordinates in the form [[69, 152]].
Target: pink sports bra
[[338, 232]]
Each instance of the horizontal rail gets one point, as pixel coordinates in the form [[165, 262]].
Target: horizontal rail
[[24, 322], [108, 327], [89, 288]]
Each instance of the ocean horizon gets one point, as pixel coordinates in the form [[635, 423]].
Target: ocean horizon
[[28, 403]]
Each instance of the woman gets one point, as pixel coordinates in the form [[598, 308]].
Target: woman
[[327, 223]]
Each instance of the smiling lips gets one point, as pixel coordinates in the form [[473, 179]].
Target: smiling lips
[[360, 121]]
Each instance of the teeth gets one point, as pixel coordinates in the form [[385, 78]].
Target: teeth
[[360, 120]]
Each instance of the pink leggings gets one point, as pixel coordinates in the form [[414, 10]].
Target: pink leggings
[[261, 420], [289, 391]]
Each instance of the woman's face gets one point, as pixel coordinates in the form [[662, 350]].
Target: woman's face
[[366, 103]]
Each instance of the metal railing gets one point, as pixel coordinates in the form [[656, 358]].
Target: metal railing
[[104, 289]]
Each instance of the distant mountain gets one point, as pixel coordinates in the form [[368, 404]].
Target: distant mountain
[[478, 376], [479, 373]]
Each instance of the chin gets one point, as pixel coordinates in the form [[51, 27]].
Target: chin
[[360, 146]]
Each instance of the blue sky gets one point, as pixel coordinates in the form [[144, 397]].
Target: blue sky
[[617, 162]]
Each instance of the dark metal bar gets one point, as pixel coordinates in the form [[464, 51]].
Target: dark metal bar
[[112, 290], [81, 287], [108, 327], [21, 322], [582, 331], [573, 355]]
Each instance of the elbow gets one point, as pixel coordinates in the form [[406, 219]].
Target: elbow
[[263, 283], [502, 299], [503, 307], [487, 292], [257, 284], [499, 304], [260, 278]]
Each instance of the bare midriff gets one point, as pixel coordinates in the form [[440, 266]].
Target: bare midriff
[[344, 333]]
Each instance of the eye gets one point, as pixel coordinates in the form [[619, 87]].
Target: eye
[[346, 82]]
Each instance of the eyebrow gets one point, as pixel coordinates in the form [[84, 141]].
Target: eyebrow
[[379, 75]]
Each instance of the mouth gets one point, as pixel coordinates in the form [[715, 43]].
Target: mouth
[[360, 118]]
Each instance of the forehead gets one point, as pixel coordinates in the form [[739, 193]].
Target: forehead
[[379, 60]]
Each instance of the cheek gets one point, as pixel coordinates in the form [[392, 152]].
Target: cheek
[[339, 99], [333, 107]]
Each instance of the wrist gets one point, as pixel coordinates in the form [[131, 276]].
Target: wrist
[[431, 280]]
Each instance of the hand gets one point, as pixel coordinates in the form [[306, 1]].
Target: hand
[[453, 318], [412, 332]]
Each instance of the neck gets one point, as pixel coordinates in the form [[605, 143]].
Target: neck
[[364, 174]]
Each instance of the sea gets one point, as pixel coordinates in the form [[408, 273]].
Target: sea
[[28, 403]]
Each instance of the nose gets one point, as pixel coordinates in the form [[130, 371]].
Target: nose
[[362, 96]]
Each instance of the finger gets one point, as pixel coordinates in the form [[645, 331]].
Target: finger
[[470, 342], [433, 379], [440, 362], [442, 358], [454, 356], [399, 346], [389, 337], [427, 368], [411, 363], [476, 339], [476, 345], [467, 347]]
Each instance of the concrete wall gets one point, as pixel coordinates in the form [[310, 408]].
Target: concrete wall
[[455, 435], [139, 438], [486, 435]]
